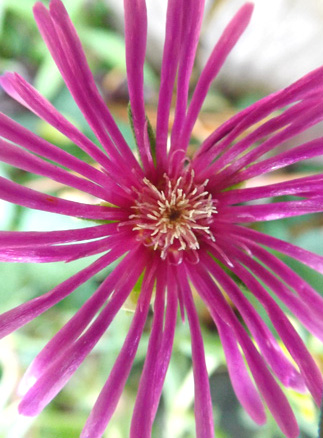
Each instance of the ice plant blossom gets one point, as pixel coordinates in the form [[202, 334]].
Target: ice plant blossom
[[180, 224]]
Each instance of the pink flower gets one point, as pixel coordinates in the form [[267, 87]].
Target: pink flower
[[172, 219]]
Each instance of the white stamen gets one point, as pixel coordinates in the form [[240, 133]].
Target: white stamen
[[174, 217]]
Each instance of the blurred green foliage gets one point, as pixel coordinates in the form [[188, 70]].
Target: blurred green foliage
[[22, 50]]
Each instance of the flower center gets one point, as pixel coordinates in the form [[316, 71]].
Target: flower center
[[174, 216]]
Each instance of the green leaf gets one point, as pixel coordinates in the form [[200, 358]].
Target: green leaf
[[21, 8], [107, 46], [152, 140], [130, 117], [1, 17], [132, 300], [48, 80], [150, 131]]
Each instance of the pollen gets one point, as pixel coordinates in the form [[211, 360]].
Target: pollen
[[173, 216]]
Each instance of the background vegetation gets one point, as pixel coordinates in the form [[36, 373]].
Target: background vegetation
[[22, 50]]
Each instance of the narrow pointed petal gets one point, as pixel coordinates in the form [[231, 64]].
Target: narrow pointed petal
[[24, 93], [66, 336], [303, 152], [66, 50], [202, 403], [16, 133], [170, 220], [293, 342], [136, 40], [65, 253], [266, 342], [158, 357], [297, 187], [111, 392], [308, 295], [167, 77], [308, 258], [300, 117], [191, 27], [308, 86], [61, 369], [298, 307], [16, 239], [297, 112], [270, 212], [73, 48], [17, 194], [166, 346], [65, 60], [241, 382], [21, 159], [225, 44], [141, 423], [271, 392], [21, 315]]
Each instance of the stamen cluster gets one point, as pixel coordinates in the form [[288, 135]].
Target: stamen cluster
[[174, 216]]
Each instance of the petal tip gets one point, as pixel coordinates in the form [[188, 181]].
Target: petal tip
[[27, 409], [26, 383], [39, 8]]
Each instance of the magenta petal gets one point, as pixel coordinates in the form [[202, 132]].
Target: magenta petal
[[61, 369], [66, 50], [77, 324], [294, 120], [28, 96], [173, 221], [296, 187], [203, 403], [227, 41], [67, 253], [166, 344], [297, 306], [157, 359], [311, 321], [305, 151], [82, 73], [21, 315], [191, 26], [17, 194], [308, 86], [300, 117], [67, 64], [241, 382], [309, 370], [167, 77], [21, 159], [16, 239], [288, 334], [266, 342], [111, 392], [191, 19], [308, 258], [136, 40], [142, 419], [270, 212], [274, 397], [19, 89], [308, 295], [51, 254], [18, 134]]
